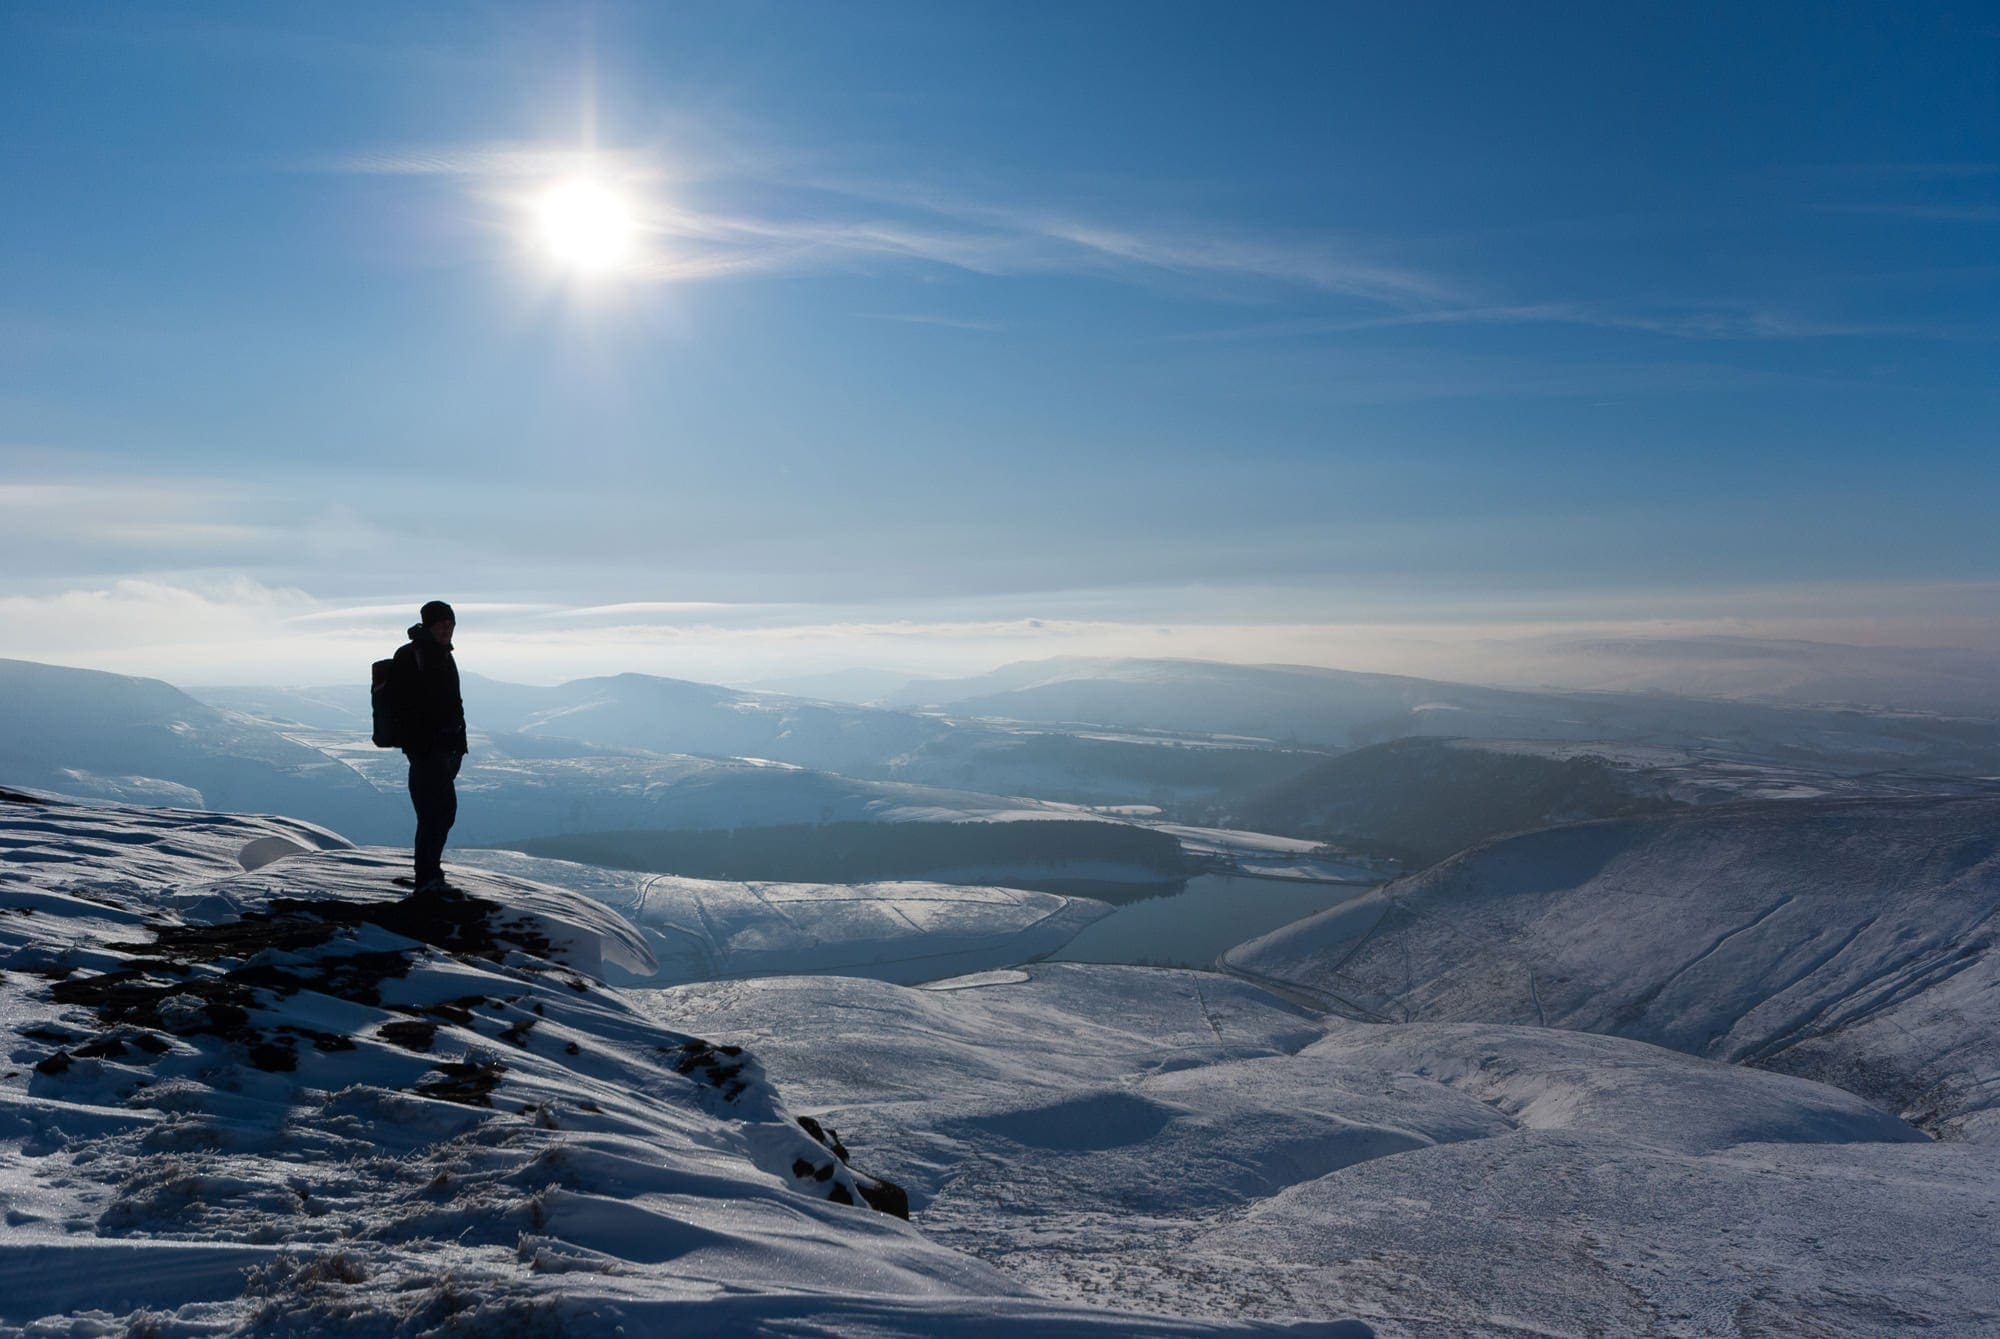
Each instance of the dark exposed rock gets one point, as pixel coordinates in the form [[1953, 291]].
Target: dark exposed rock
[[413, 1034], [825, 1135], [884, 1196], [274, 1055], [55, 1064], [469, 1082], [705, 1062]]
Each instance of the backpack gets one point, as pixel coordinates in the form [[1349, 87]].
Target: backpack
[[389, 695]]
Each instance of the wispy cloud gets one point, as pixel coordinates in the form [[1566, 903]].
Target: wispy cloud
[[731, 214], [1714, 322], [947, 322]]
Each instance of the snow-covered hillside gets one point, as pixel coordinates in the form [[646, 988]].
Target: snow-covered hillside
[[251, 1090], [139, 740], [1181, 1141], [704, 929], [1851, 940]]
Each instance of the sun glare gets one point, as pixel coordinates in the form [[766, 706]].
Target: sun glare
[[587, 227]]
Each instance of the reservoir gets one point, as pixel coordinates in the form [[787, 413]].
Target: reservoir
[[1192, 927]]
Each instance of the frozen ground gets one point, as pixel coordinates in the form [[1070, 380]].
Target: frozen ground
[[1851, 940], [247, 1089], [1186, 1142]]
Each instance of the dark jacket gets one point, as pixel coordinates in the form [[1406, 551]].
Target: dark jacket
[[436, 715]]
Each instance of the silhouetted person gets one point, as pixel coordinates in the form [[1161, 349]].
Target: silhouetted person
[[434, 736]]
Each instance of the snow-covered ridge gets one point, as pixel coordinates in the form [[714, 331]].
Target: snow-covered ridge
[[1849, 940], [252, 1088]]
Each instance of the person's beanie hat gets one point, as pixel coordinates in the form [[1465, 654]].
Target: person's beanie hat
[[437, 611]]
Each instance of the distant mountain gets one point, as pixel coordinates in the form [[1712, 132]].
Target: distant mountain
[[862, 686], [634, 711], [1851, 941], [1420, 800], [1953, 680], [675, 717], [1340, 708], [112, 736]]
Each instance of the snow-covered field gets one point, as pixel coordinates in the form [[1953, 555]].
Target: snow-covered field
[[249, 1089], [1185, 1142]]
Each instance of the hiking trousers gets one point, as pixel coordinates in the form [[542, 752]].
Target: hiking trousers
[[432, 773]]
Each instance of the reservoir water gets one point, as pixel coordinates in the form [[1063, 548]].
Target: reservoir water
[[1191, 928]]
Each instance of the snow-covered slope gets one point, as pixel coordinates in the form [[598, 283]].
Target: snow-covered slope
[[249, 1091], [703, 929], [1850, 939], [139, 740], [1185, 1142]]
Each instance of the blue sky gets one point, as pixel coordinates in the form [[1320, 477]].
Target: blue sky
[[967, 333]]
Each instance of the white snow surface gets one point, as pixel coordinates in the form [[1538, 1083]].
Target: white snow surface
[[1261, 855], [1184, 1141], [702, 929], [1846, 940], [225, 1113]]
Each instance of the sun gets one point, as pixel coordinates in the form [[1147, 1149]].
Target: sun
[[587, 227]]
